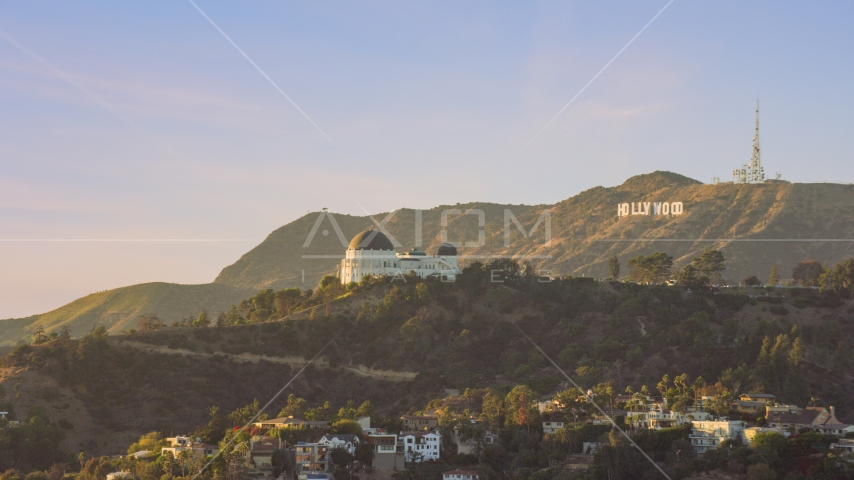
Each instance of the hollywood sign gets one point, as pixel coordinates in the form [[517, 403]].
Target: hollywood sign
[[649, 208]]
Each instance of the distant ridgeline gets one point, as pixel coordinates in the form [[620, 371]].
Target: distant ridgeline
[[756, 226], [643, 208]]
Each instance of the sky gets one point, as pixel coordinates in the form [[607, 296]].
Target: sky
[[139, 131]]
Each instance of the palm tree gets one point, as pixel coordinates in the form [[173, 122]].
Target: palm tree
[[662, 387]]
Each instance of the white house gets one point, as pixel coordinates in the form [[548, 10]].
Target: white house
[[709, 435], [371, 253], [552, 426], [420, 446], [340, 440], [459, 475]]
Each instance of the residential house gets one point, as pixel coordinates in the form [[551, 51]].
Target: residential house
[[709, 435], [747, 406], [753, 403], [831, 425], [793, 420], [386, 454], [552, 426], [310, 457], [291, 422], [610, 414], [846, 445], [764, 398], [459, 475], [364, 422], [192, 445], [261, 450], [769, 409], [413, 423], [663, 418], [421, 446], [340, 440], [179, 441]]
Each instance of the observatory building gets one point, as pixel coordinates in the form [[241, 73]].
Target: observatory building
[[371, 253]]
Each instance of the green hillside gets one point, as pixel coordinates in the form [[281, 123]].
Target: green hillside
[[586, 231], [120, 308]]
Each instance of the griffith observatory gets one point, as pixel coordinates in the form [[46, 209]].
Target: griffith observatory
[[371, 253]]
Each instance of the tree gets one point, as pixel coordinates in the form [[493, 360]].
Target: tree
[[296, 407], [366, 409], [351, 427], [840, 278], [286, 300], [719, 404], [493, 410], [416, 332], [751, 281], [691, 277], [774, 277], [203, 320], [521, 406], [807, 273], [711, 264], [38, 335], [614, 267], [652, 268], [364, 453], [423, 293], [341, 457], [152, 442], [760, 471], [243, 415]]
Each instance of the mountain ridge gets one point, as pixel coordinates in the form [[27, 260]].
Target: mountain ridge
[[755, 225]]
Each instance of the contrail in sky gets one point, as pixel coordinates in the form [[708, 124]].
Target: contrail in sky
[[600, 72]]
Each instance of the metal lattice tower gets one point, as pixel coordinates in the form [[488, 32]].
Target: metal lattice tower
[[757, 173], [752, 173]]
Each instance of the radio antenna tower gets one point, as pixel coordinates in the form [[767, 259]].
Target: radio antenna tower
[[752, 173], [757, 174]]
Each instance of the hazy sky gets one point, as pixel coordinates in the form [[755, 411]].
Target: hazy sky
[[138, 120]]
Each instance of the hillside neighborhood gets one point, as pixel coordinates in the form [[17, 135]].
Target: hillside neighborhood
[[294, 448]]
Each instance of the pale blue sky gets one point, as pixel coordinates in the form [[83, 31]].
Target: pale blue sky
[[142, 121]]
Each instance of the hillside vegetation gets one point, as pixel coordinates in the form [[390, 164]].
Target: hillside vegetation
[[119, 309], [795, 343]]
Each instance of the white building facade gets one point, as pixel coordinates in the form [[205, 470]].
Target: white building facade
[[709, 435], [371, 253], [347, 442], [421, 446]]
